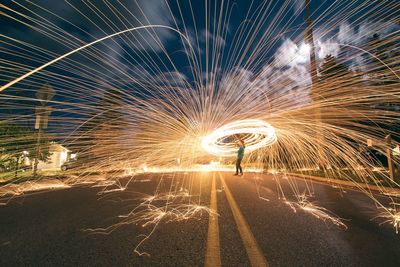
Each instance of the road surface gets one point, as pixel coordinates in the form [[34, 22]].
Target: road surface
[[255, 226]]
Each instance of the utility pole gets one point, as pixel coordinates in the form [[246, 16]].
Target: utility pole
[[388, 140], [309, 38], [44, 95], [38, 126]]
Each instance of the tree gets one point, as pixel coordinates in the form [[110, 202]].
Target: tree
[[383, 63], [381, 51], [337, 80], [100, 138], [383, 71], [17, 142], [331, 69]]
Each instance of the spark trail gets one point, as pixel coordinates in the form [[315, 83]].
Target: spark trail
[[140, 90]]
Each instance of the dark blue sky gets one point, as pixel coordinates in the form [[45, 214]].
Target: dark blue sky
[[88, 25], [250, 36]]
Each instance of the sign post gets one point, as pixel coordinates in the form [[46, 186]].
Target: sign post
[[388, 140], [44, 95]]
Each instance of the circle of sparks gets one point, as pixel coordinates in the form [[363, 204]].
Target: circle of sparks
[[257, 134]]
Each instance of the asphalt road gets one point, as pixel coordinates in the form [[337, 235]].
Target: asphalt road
[[254, 227]]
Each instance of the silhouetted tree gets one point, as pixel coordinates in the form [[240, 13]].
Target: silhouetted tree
[[108, 126], [17, 142], [331, 69]]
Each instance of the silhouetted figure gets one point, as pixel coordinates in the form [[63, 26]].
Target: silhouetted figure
[[240, 155]]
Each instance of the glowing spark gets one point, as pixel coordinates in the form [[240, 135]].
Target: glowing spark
[[126, 114], [391, 216], [316, 211], [321, 213], [258, 134], [86, 46], [31, 186], [152, 215]]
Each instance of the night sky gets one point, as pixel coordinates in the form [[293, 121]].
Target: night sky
[[34, 33]]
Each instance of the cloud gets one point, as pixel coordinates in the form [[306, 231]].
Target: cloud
[[86, 21], [291, 54], [288, 86], [297, 6], [215, 39], [64, 26], [152, 12], [170, 79], [346, 33], [329, 47], [238, 79], [286, 81]]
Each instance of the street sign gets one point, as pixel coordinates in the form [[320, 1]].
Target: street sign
[[369, 142], [388, 139], [45, 94], [38, 121]]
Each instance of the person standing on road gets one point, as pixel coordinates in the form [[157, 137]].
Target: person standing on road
[[240, 155]]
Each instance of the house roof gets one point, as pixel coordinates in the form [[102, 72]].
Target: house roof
[[55, 147]]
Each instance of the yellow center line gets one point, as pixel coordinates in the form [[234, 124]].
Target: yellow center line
[[253, 250], [213, 257]]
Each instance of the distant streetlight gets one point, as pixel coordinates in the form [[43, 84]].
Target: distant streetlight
[[44, 95]]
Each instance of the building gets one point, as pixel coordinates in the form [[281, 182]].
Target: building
[[59, 155]]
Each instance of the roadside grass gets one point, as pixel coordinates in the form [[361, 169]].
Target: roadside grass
[[27, 175], [21, 175]]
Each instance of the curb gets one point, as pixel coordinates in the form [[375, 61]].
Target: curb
[[381, 189]]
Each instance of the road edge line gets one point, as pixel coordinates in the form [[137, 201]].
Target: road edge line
[[349, 184]]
